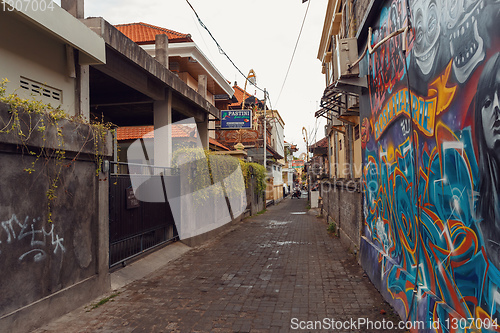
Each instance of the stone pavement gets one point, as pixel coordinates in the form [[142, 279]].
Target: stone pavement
[[273, 272]]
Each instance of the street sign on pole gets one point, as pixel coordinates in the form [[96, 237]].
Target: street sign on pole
[[236, 119]]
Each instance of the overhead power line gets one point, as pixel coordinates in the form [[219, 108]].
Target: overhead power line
[[293, 54], [221, 51]]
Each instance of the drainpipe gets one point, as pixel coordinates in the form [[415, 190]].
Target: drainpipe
[[329, 162], [336, 165]]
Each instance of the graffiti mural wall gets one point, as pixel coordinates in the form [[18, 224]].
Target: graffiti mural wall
[[432, 162]]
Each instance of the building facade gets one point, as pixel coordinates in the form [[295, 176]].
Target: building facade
[[340, 100], [253, 140]]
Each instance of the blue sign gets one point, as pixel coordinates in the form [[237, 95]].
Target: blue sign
[[235, 119]]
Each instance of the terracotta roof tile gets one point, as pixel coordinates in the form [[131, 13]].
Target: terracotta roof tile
[[134, 132], [323, 143], [147, 132], [143, 33], [217, 143], [238, 93]]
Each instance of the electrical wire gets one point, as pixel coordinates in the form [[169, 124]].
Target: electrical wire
[[221, 51], [293, 54], [203, 39]]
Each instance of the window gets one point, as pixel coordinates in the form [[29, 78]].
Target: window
[[274, 167], [356, 132], [340, 144]]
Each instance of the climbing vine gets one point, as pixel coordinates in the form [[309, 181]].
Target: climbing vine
[[31, 118], [260, 173], [207, 168]]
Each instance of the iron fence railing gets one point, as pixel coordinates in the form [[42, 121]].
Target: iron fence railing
[[122, 168], [138, 226]]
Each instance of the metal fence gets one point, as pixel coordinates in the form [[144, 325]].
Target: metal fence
[[136, 226]]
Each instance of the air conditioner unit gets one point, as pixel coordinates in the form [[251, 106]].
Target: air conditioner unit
[[346, 54]]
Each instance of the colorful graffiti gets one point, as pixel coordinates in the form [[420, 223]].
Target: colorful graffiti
[[432, 163]]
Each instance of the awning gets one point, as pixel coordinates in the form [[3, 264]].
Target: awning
[[339, 104], [274, 153]]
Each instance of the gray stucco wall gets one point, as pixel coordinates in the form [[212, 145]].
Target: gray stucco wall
[[48, 268], [21, 58], [342, 204]]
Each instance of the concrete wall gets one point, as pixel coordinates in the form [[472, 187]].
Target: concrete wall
[[49, 269], [29, 53], [342, 204], [193, 83], [431, 234], [360, 10], [255, 200]]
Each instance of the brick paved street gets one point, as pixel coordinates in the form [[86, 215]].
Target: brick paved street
[[265, 271]]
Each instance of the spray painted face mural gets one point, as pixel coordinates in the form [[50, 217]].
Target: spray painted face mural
[[487, 122], [488, 106], [491, 121], [427, 31], [466, 43]]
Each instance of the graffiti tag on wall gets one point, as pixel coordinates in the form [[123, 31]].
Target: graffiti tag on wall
[[432, 160], [40, 240]]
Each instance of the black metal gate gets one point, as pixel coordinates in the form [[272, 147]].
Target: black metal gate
[[136, 226]]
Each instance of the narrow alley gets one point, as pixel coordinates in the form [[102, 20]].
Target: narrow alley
[[276, 272]]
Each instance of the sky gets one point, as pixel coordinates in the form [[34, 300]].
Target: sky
[[255, 34]]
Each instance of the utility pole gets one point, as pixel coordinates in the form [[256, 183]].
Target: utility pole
[[308, 177]]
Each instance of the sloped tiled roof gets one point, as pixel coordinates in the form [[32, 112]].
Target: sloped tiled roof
[[147, 132], [217, 143], [323, 143], [134, 132], [238, 93], [143, 33]]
